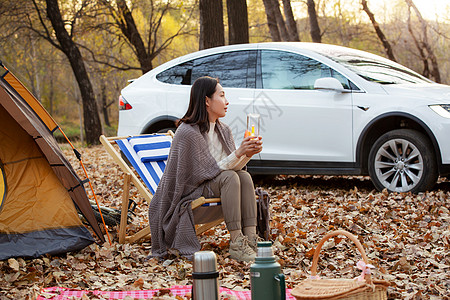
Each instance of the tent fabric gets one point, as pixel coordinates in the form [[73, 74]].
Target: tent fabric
[[39, 190], [30, 178], [50, 241], [35, 105], [35, 127], [38, 215]]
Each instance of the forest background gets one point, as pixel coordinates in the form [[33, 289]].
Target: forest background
[[76, 55]]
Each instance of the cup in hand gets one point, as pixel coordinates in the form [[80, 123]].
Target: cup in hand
[[253, 122]]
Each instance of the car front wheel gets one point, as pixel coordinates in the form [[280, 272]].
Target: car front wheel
[[403, 160]]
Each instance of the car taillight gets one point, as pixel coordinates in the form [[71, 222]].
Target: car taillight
[[123, 104]]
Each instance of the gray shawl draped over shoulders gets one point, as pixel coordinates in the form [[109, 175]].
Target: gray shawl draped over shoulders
[[190, 166]]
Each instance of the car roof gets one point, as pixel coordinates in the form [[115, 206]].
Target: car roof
[[304, 47], [314, 50]]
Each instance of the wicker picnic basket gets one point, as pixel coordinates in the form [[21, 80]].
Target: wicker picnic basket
[[349, 289]]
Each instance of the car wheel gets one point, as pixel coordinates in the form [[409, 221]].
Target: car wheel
[[164, 130], [403, 160]]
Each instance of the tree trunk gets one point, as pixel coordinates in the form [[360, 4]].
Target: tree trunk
[[423, 57], [380, 34], [290, 21], [280, 20], [36, 83], [313, 22], [424, 44], [237, 22], [51, 95], [211, 24], [92, 125], [130, 31], [105, 104], [146, 40], [272, 21]]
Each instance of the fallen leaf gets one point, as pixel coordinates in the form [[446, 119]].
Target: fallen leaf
[[13, 264]]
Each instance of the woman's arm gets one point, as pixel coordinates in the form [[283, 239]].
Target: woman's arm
[[232, 162], [241, 156]]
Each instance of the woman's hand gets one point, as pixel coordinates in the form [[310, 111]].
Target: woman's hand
[[250, 146]]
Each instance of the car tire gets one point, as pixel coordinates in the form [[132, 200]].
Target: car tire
[[165, 130], [403, 160]]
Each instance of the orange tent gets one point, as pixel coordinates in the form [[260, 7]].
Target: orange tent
[[39, 190]]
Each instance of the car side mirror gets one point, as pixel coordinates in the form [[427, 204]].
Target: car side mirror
[[329, 84]]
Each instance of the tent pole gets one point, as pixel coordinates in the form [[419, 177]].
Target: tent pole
[[78, 155]]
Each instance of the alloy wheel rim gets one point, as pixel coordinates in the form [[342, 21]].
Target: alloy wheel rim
[[399, 165]]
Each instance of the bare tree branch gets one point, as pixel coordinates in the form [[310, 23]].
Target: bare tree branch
[[156, 28], [423, 44], [380, 34], [46, 35], [106, 62], [125, 29]]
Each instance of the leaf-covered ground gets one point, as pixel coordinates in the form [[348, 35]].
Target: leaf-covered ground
[[407, 238]]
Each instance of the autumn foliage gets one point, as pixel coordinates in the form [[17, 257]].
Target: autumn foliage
[[406, 237]]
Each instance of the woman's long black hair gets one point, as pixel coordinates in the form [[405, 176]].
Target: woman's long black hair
[[196, 113]]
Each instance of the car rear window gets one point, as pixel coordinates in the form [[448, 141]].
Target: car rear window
[[234, 69]]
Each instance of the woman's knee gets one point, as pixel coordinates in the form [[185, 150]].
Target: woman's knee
[[245, 178], [230, 177]]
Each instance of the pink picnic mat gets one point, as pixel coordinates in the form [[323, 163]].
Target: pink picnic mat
[[60, 293]]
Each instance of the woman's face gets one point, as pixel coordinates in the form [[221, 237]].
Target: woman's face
[[216, 106]]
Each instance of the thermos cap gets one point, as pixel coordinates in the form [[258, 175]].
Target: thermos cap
[[264, 249], [204, 261], [264, 244]]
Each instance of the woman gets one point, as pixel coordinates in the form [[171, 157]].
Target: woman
[[203, 161]]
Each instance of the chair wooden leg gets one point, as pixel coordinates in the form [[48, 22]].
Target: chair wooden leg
[[202, 228], [124, 212], [139, 235], [146, 231]]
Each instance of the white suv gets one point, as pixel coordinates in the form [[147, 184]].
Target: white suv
[[324, 110]]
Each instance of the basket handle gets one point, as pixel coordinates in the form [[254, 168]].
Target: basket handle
[[332, 234]]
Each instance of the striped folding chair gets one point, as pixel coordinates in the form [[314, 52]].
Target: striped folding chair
[[147, 155]]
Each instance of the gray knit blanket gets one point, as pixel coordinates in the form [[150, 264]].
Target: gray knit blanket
[[190, 166]]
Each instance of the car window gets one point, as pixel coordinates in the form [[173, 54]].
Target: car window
[[234, 69], [180, 74], [286, 70], [346, 84], [372, 67]]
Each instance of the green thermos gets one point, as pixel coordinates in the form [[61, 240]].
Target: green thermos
[[266, 280]]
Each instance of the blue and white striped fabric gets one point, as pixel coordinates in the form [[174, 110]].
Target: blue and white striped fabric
[[153, 148], [148, 155]]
